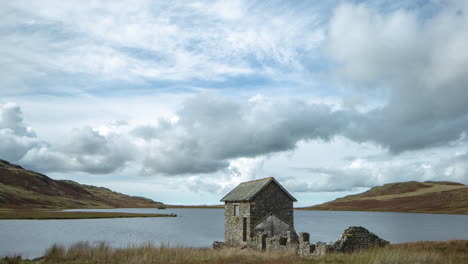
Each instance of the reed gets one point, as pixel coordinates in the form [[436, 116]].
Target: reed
[[452, 252]]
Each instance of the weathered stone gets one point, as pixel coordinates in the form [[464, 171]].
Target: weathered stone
[[259, 215], [233, 232], [262, 240], [270, 243], [293, 240], [272, 225], [269, 211], [218, 245], [304, 237], [277, 243], [356, 238], [283, 240], [321, 249], [272, 200], [292, 236], [305, 249]]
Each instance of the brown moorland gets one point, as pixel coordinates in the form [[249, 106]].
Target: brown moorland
[[415, 197], [26, 189]]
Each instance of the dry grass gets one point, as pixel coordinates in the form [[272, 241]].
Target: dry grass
[[451, 252], [37, 215]]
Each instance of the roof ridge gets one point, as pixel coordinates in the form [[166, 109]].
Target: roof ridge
[[246, 191], [268, 178]]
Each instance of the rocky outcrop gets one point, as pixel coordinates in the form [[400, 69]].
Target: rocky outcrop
[[356, 238]]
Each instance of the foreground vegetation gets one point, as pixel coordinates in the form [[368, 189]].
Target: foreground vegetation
[[453, 252], [43, 215]]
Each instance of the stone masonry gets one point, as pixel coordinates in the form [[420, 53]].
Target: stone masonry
[[234, 234], [259, 215], [353, 239], [273, 201], [264, 206]]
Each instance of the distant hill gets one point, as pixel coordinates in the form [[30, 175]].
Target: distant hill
[[419, 197], [25, 189]]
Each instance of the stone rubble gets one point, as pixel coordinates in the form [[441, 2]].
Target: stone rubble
[[354, 238]]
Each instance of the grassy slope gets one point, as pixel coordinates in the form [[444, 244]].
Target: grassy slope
[[25, 189], [418, 197], [455, 252]]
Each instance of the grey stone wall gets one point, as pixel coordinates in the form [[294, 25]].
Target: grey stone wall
[[272, 199], [354, 238], [272, 225], [233, 224]]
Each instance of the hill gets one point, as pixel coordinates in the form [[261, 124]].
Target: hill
[[418, 197], [25, 189]]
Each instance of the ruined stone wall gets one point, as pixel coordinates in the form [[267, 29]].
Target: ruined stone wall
[[272, 199], [233, 229], [354, 238]]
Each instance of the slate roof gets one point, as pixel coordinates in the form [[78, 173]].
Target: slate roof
[[246, 191]]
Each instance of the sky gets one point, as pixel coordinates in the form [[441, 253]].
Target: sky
[[180, 101]]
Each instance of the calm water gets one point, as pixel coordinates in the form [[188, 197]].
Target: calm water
[[200, 227]]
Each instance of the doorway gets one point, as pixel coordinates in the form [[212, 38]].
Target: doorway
[[244, 229]]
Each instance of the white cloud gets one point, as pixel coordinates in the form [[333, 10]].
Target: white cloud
[[16, 138], [213, 130], [85, 150], [383, 75], [11, 118], [148, 40]]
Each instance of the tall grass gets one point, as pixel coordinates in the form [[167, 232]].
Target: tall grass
[[451, 252], [85, 253]]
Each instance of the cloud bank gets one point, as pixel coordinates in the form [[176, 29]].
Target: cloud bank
[[422, 63], [401, 75]]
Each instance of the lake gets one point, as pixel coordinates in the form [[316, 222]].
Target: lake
[[200, 227]]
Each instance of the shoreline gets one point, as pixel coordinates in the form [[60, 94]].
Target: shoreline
[[58, 214], [61, 215], [378, 211]]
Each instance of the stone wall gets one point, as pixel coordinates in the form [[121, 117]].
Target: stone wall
[[233, 229], [353, 238], [272, 225], [272, 199]]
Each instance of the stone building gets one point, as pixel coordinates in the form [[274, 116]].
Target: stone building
[[257, 207]]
